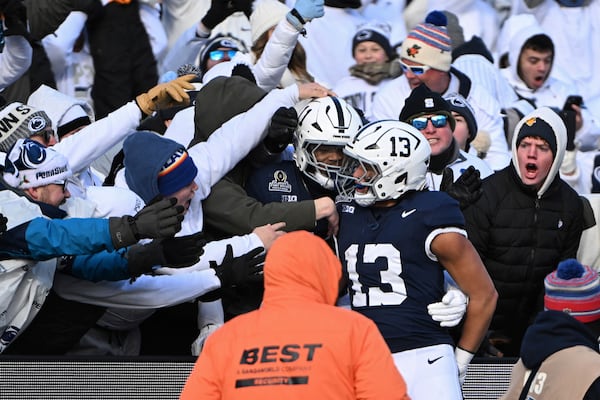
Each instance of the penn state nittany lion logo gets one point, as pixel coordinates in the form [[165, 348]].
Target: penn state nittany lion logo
[[280, 183], [36, 124], [32, 154], [364, 35]]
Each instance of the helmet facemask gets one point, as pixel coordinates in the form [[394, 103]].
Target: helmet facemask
[[322, 172], [359, 188]]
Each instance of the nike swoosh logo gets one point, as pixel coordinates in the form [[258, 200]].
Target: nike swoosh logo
[[407, 213], [434, 360]]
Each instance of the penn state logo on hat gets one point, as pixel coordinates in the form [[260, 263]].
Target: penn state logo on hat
[[29, 164], [374, 32], [37, 124], [18, 120]]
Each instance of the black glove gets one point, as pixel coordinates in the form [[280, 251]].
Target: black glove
[[159, 219], [234, 271], [243, 5], [467, 188], [568, 118], [281, 130], [93, 8], [15, 17], [3, 222], [175, 252], [218, 11]]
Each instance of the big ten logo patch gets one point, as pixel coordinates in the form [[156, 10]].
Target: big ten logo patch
[[11, 120], [280, 182]]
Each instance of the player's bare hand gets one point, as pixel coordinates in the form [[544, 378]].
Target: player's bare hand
[[268, 233]]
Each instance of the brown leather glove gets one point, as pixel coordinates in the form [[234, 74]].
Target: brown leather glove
[[166, 95]]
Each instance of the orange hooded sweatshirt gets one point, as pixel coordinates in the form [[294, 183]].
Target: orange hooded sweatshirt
[[297, 345]]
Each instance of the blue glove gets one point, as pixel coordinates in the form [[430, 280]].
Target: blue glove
[[310, 9]]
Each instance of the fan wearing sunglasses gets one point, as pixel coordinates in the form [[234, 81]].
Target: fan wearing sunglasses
[[425, 57], [431, 114], [217, 50]]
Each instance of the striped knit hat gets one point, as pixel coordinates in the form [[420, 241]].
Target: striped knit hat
[[575, 289], [429, 43]]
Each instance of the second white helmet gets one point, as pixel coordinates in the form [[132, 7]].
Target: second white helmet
[[324, 125]]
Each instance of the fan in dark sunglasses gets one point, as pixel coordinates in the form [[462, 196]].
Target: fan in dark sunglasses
[[438, 121]]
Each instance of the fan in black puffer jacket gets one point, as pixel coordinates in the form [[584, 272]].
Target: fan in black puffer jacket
[[523, 226]]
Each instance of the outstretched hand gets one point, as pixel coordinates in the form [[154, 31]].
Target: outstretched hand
[[281, 129], [313, 90], [467, 188], [167, 95], [268, 233], [235, 271], [310, 9]]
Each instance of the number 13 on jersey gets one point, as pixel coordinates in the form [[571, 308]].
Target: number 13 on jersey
[[376, 278]]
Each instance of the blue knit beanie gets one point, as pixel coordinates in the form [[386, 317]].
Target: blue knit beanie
[[178, 172]]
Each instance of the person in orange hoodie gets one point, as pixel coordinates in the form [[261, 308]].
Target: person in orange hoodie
[[297, 345]]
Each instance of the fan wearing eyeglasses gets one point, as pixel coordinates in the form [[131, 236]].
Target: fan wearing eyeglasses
[[426, 58], [432, 115]]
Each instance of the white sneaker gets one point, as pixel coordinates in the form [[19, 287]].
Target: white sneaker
[[204, 333]]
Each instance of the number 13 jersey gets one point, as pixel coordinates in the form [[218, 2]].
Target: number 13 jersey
[[393, 275]]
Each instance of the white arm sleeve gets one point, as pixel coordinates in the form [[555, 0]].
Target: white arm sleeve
[[235, 138], [82, 148], [15, 59], [146, 292], [274, 60]]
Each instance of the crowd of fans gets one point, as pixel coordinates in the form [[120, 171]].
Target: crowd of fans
[[318, 198]]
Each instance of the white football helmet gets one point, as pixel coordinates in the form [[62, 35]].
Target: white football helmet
[[322, 123], [393, 156]]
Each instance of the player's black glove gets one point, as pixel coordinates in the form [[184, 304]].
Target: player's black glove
[[174, 252], [235, 271], [219, 10], [159, 219], [281, 129], [467, 188], [3, 223], [15, 17]]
